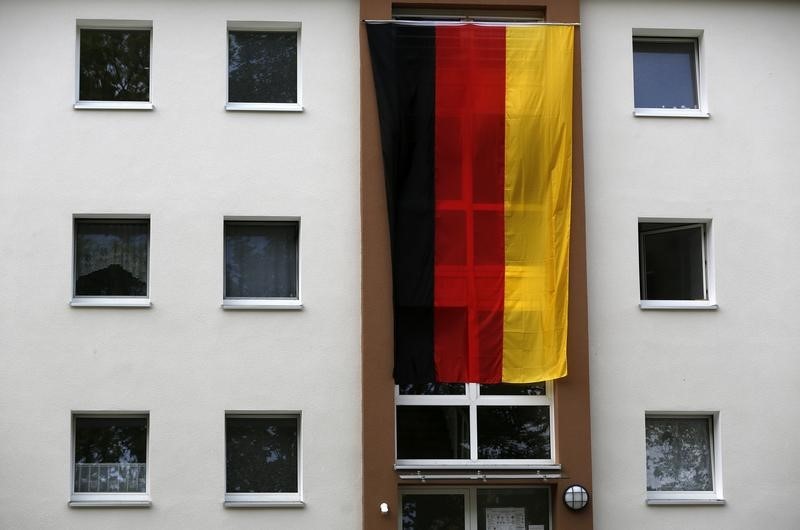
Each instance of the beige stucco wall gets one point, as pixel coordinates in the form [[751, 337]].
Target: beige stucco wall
[[187, 164], [739, 168]]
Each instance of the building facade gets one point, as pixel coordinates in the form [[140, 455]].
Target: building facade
[[690, 199], [148, 174]]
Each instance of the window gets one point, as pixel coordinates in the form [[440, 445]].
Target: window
[[111, 261], [114, 64], [674, 265], [262, 464], [682, 458], [262, 264], [109, 460], [476, 508], [264, 66], [666, 73], [474, 425]]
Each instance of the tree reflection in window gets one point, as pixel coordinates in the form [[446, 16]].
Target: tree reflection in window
[[110, 454], [114, 65], [433, 512], [261, 454], [262, 66], [513, 432], [679, 454]]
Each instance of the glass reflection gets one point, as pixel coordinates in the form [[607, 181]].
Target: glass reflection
[[514, 432], [110, 455], [260, 259], [513, 508], [665, 75], [261, 455], [513, 389], [679, 454], [114, 65], [433, 389], [111, 257], [432, 432], [433, 512], [262, 66]]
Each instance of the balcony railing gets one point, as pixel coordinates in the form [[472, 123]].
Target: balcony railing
[[110, 478]]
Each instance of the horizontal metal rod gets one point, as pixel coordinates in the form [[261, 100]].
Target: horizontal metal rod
[[466, 23], [481, 476]]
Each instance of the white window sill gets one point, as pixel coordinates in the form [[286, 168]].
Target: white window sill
[[262, 304], [110, 302], [677, 501], [678, 304], [113, 105], [263, 500], [671, 113], [264, 504], [265, 107], [110, 500]]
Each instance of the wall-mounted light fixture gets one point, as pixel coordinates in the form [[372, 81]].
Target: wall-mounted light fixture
[[576, 497], [384, 508]]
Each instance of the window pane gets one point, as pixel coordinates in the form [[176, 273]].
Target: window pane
[[260, 259], [673, 267], [110, 455], [513, 508], [111, 257], [433, 512], [664, 74], [261, 455], [679, 454], [262, 66], [114, 65], [513, 389], [513, 432], [433, 389], [432, 432]]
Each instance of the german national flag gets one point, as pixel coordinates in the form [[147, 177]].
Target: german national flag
[[476, 126]]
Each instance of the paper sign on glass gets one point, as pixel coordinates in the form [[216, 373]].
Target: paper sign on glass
[[505, 518]]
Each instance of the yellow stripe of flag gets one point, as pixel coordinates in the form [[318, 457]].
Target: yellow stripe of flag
[[538, 188]]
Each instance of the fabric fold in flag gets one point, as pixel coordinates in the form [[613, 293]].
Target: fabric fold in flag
[[476, 131]]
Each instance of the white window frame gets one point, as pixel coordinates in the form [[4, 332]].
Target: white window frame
[[713, 497], [472, 399], [242, 25], [109, 301], [470, 500], [708, 263], [104, 500], [264, 303], [265, 499], [111, 25], [672, 35]]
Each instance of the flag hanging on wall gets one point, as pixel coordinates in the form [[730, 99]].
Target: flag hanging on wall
[[476, 130]]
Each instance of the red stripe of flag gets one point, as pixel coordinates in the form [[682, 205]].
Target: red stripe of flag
[[469, 154]]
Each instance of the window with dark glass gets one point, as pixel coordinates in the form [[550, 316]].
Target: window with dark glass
[[679, 454], [111, 257], [672, 261], [665, 73], [262, 66], [261, 454], [470, 423], [110, 454], [429, 510], [261, 259], [114, 64]]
